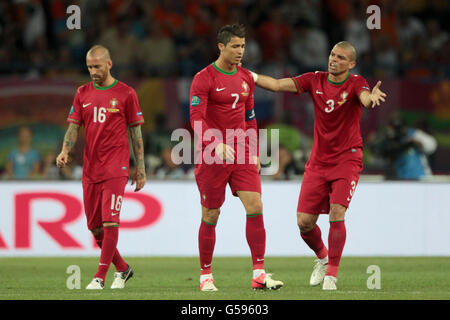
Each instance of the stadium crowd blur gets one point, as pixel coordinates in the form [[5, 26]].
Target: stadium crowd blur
[[168, 39]]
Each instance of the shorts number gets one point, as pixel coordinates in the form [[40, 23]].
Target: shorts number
[[330, 107], [116, 204], [352, 190], [99, 115], [236, 97]]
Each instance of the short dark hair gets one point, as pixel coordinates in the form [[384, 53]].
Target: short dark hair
[[227, 32]]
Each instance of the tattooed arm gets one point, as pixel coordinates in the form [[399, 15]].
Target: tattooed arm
[[138, 148], [69, 141]]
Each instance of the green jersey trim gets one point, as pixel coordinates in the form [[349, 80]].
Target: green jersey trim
[[224, 72], [104, 88], [339, 83]]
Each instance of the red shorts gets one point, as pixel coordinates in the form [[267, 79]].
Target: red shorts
[[331, 184], [212, 180], [103, 201]]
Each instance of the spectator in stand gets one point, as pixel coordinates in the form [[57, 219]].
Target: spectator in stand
[[119, 41], [191, 49], [158, 53], [23, 162], [405, 150], [168, 169], [309, 46], [356, 30], [274, 35], [437, 37]]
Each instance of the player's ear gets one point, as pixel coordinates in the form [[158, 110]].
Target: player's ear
[[352, 64], [109, 64], [221, 46]]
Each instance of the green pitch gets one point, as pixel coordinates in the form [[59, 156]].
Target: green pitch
[[178, 278]]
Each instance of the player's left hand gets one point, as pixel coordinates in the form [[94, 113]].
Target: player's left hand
[[377, 95], [139, 178], [257, 162]]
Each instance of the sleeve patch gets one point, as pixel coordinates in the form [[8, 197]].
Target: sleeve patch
[[195, 101], [250, 114]]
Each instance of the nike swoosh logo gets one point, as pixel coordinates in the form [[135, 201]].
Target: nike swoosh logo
[[85, 105], [221, 89], [259, 260], [114, 213], [318, 92]]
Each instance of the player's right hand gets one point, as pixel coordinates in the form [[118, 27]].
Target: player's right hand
[[225, 152], [62, 159], [139, 178]]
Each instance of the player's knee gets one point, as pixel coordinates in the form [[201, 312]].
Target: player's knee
[[211, 215], [254, 207], [305, 225], [97, 231], [337, 212]]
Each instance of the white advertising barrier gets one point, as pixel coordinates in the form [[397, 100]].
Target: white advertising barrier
[[384, 219]]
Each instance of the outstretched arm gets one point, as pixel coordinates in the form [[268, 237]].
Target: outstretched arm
[[70, 139], [374, 98], [138, 148], [269, 83]]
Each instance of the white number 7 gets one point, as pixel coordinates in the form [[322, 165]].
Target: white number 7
[[236, 95]]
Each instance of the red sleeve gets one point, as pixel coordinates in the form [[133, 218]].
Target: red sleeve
[[304, 82], [133, 110], [198, 102], [250, 117], [74, 113], [360, 85]]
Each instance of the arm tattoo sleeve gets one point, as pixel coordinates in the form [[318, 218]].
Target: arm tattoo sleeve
[[138, 146], [71, 137]]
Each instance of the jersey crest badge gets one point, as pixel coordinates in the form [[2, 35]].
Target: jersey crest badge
[[114, 102], [246, 88], [343, 97]]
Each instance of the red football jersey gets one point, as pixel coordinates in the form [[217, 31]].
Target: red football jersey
[[223, 100], [106, 113], [337, 110]]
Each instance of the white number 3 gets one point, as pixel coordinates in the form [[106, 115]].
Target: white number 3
[[352, 190], [330, 107]]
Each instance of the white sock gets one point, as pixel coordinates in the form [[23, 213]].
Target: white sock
[[257, 273], [203, 277]]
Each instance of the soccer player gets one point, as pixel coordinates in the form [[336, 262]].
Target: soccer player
[[108, 109], [221, 98], [333, 169]]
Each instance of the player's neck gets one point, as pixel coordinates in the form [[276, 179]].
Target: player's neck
[[338, 78], [107, 83], [224, 66]]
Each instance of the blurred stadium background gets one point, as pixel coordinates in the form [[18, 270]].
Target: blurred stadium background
[[157, 46]]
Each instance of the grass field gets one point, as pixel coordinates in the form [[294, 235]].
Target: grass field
[[178, 279]]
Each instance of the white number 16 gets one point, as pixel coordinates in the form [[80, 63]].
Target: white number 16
[[116, 204]]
